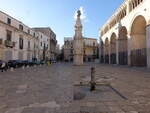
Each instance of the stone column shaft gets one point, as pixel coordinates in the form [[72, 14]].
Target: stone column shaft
[[104, 53], [129, 50], [109, 53], [100, 50], [117, 51], [148, 44]]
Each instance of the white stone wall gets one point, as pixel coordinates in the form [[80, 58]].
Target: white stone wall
[[42, 38], [89, 41], [15, 53], [142, 9]]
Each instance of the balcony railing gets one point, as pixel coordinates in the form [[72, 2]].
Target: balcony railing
[[9, 43]]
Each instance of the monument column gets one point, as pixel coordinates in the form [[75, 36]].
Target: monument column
[[78, 42]]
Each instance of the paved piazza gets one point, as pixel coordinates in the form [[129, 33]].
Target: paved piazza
[[56, 89]]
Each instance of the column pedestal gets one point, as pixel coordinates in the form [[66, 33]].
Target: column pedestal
[[78, 52]]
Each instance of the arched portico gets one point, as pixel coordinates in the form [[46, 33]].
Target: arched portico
[[106, 51], [113, 49], [138, 42], [123, 46]]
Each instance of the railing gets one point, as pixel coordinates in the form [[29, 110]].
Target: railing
[[9, 43]]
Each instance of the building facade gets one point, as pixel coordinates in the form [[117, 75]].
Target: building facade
[[20, 42], [43, 46], [52, 42], [90, 49], [17, 41], [68, 49], [125, 38]]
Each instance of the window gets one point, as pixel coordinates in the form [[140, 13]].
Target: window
[[93, 43], [28, 31], [8, 21], [71, 51], [34, 34], [41, 44], [28, 44], [72, 46], [21, 42], [94, 52], [132, 5], [44, 46], [84, 51], [8, 35], [34, 45], [1, 41], [21, 27]]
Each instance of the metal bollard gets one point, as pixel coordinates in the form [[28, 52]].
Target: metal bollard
[[27, 66], [23, 67], [12, 69], [92, 82]]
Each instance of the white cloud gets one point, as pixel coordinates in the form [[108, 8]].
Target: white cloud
[[83, 15]]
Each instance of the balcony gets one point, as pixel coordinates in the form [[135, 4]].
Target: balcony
[[9, 43]]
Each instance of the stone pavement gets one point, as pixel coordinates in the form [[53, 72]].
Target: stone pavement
[[51, 90]]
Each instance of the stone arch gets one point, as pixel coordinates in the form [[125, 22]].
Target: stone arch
[[106, 51], [123, 46], [142, 14], [113, 48], [138, 42]]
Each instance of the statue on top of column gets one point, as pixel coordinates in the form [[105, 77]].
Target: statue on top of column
[[79, 13]]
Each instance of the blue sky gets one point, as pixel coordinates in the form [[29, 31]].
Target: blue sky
[[59, 14]]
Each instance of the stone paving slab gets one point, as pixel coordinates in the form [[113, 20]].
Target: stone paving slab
[[44, 89]]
